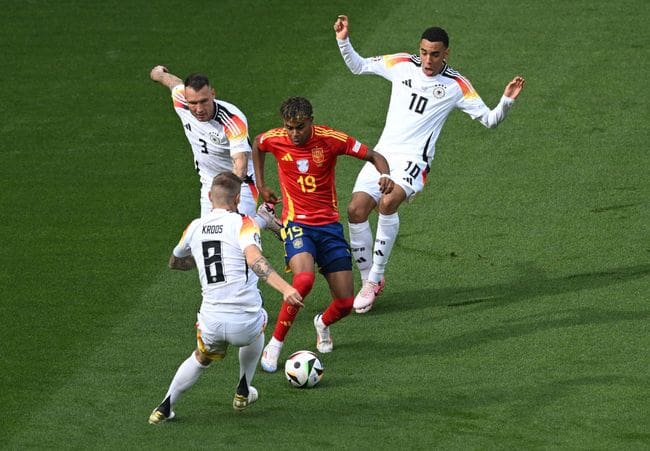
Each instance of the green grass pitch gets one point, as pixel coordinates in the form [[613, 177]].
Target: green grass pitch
[[516, 311]]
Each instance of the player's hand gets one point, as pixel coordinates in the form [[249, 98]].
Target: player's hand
[[386, 184], [514, 87], [341, 27], [157, 71], [291, 296], [268, 195]]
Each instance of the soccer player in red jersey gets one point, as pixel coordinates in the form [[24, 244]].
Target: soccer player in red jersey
[[306, 155]]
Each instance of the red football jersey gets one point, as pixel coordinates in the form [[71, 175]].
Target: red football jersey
[[307, 173]]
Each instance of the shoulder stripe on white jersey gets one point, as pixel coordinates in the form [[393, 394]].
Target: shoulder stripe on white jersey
[[224, 117]]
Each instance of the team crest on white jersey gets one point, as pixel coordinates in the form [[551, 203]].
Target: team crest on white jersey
[[439, 91], [303, 165], [215, 137]]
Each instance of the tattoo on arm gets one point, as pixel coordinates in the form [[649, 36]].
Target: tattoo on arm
[[182, 263], [240, 165], [262, 268]]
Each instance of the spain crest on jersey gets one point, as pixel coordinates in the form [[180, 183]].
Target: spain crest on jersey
[[303, 165], [318, 155]]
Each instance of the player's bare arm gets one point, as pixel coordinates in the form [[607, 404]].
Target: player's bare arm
[[162, 75], [258, 164], [240, 164], [260, 266], [386, 184], [182, 263], [515, 87], [341, 27]]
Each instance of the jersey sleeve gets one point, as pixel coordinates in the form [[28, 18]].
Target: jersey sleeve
[[235, 127], [378, 65], [355, 148], [249, 234], [264, 140], [178, 97], [494, 117], [472, 104], [183, 248]]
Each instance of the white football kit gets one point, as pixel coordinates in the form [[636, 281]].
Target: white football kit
[[213, 142], [419, 106], [231, 311]]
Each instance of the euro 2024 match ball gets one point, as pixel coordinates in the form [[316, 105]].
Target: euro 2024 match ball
[[303, 369]]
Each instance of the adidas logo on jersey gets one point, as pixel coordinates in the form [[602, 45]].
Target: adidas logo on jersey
[[407, 83], [287, 157]]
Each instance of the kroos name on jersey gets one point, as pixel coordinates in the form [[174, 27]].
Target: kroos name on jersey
[[212, 228]]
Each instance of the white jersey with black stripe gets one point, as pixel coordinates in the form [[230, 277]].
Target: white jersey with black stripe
[[214, 141], [217, 242], [419, 104]]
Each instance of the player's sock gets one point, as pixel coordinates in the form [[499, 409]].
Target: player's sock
[[338, 308], [248, 358], [303, 282], [260, 221], [387, 228], [186, 376], [361, 245]]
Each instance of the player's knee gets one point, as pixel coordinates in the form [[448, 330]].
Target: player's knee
[[303, 282], [357, 213]]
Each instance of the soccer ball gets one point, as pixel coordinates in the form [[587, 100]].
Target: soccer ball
[[303, 369]]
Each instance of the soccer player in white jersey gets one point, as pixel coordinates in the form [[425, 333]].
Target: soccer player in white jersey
[[218, 134], [225, 248], [424, 91]]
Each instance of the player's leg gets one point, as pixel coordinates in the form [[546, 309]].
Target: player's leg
[[409, 180], [335, 264], [300, 252], [186, 376], [361, 204], [206, 204], [302, 266], [264, 215], [210, 346], [387, 228], [249, 355], [341, 285], [248, 203], [365, 196]]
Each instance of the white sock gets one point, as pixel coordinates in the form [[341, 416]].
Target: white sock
[[261, 222], [387, 228], [186, 376], [361, 245], [248, 358], [275, 342]]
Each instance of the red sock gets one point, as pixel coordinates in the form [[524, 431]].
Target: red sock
[[338, 308], [303, 282]]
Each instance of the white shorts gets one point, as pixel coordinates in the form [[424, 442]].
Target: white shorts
[[411, 175], [247, 203], [216, 331]]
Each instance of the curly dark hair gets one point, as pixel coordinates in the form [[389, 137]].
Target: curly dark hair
[[296, 108]]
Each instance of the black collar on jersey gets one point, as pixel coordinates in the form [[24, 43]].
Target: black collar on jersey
[[216, 110]]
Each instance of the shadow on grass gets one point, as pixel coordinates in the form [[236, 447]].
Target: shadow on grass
[[487, 297], [532, 285]]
